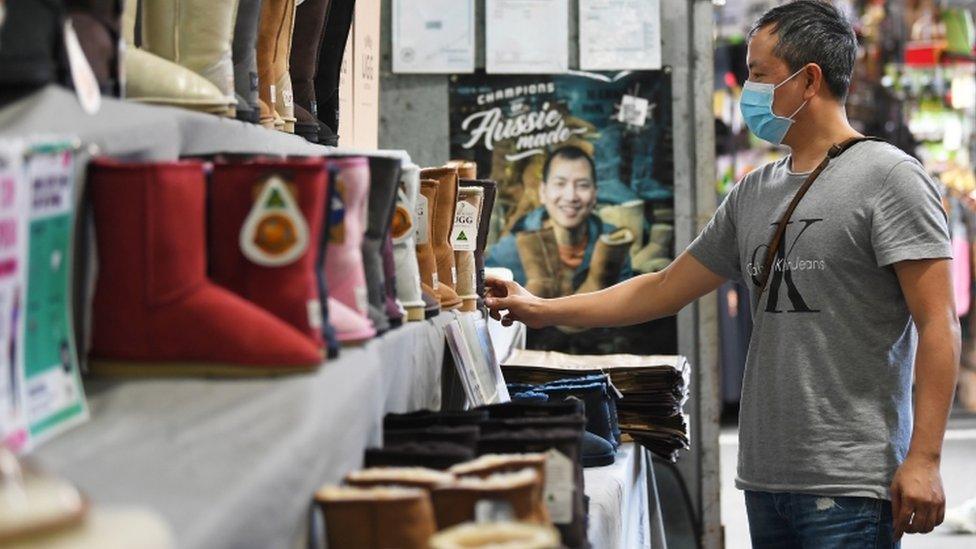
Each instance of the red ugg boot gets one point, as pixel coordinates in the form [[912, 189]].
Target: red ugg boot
[[155, 312], [265, 229], [344, 258]]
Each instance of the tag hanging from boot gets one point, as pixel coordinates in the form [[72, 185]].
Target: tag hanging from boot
[[275, 232]]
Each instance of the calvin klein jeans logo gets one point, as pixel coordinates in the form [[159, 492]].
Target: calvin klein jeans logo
[[783, 267]]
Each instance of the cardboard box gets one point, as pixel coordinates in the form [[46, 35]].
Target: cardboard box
[[366, 74]]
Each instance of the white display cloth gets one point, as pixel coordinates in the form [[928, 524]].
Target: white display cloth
[[619, 517]]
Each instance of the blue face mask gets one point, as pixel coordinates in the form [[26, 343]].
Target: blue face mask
[[756, 105]]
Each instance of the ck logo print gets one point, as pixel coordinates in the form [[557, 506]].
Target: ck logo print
[[785, 264]]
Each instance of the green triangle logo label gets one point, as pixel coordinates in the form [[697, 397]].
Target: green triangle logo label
[[274, 199], [462, 236]]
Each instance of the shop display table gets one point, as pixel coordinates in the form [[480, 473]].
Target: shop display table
[[234, 463]]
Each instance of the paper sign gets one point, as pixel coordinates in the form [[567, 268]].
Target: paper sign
[[527, 36], [13, 257], [433, 36], [55, 398], [620, 34]]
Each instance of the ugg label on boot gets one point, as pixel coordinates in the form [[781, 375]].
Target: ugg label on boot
[[314, 308], [287, 98], [559, 487], [464, 234], [421, 220], [275, 232]]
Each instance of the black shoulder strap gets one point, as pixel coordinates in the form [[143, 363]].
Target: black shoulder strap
[[776, 241]]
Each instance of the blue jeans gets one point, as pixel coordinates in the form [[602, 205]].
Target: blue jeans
[[788, 520]]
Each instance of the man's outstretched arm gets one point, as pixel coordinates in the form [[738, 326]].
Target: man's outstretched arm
[[640, 299]]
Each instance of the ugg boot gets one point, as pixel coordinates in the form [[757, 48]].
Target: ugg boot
[[96, 22], [497, 534], [609, 256], [432, 305], [244, 51], [629, 215], [490, 464], [395, 312], [409, 477], [515, 494], [443, 222], [331, 52], [307, 42], [344, 266], [384, 179], [376, 518], [329, 334], [466, 169], [196, 34], [657, 254], [464, 240], [265, 224], [465, 435], [152, 79], [489, 189], [155, 312], [434, 455], [31, 47], [274, 47], [429, 418], [539, 254], [426, 261], [403, 231]]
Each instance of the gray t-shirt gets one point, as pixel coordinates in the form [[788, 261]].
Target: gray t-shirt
[[826, 399]]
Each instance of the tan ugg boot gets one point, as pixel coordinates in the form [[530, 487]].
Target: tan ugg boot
[[411, 477], [457, 502], [274, 49], [195, 34], [649, 258], [424, 212], [464, 240], [497, 535], [376, 518], [443, 222], [466, 169], [629, 215], [608, 258], [490, 464], [539, 254]]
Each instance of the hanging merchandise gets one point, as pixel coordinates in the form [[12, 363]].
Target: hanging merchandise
[[13, 258], [52, 389], [584, 173]]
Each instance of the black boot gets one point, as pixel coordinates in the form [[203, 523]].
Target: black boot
[[333, 48]]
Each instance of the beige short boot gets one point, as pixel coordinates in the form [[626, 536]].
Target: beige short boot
[[410, 477], [195, 34], [657, 254], [607, 261], [629, 215], [490, 464], [154, 80], [493, 535], [539, 254], [459, 502], [466, 169], [376, 518]]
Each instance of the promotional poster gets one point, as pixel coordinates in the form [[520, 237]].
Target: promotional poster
[[13, 256], [584, 166]]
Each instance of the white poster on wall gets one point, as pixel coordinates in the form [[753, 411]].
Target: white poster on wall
[[433, 36], [620, 34], [527, 36]]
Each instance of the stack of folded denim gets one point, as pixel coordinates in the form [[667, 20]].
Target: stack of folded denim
[[653, 390]]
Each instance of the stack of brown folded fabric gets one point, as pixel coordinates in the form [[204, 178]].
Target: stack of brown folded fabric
[[654, 389]]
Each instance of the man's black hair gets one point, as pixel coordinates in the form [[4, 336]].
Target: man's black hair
[[813, 31], [569, 152]]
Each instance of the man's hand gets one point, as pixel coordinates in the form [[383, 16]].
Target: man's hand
[[917, 499], [515, 302]]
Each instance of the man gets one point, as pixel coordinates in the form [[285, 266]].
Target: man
[[568, 197], [860, 291]]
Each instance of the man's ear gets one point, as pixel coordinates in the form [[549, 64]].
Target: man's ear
[[813, 76]]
